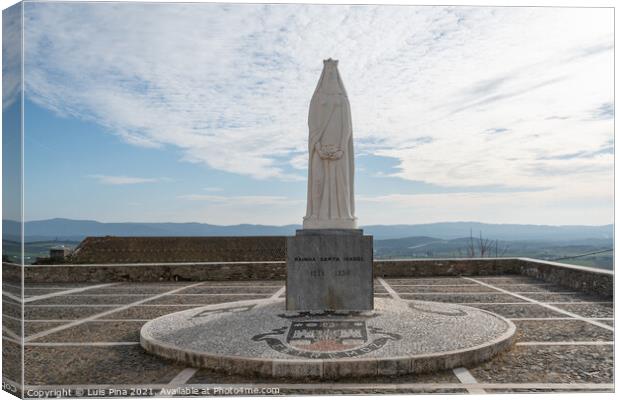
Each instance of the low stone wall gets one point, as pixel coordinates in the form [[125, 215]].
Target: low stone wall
[[592, 280], [446, 267], [585, 279], [153, 272], [12, 273]]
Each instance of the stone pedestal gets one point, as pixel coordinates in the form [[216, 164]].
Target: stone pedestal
[[328, 270]]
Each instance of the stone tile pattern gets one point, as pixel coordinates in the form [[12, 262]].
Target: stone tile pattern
[[90, 364], [12, 324], [398, 337]]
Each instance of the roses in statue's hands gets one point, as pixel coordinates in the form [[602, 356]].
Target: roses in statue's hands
[[329, 152]]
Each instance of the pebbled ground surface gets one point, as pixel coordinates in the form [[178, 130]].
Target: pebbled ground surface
[[88, 340]]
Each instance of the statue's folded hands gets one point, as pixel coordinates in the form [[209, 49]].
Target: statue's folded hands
[[329, 152]]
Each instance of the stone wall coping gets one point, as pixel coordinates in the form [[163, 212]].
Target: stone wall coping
[[569, 266], [154, 264], [13, 264], [445, 259], [533, 260]]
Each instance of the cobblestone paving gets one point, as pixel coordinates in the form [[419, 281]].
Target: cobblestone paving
[[147, 312], [420, 289], [561, 331], [205, 299], [563, 297], [205, 376], [508, 280], [532, 287], [230, 290], [605, 310], [41, 312], [91, 337], [462, 298], [32, 327], [90, 300], [521, 310], [552, 364]]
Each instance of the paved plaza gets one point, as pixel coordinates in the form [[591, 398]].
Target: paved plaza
[[86, 337]]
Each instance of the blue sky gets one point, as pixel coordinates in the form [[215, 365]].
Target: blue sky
[[198, 112]]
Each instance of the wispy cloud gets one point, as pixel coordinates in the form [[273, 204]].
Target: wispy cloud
[[123, 180], [604, 111], [491, 207], [603, 151], [229, 85], [592, 50], [506, 95], [496, 131], [242, 200], [11, 55]]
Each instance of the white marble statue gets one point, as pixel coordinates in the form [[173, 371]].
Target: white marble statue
[[330, 168]]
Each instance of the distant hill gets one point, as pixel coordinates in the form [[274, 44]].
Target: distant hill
[[75, 230], [590, 252], [454, 230], [68, 229]]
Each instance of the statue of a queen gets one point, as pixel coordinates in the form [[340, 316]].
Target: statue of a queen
[[330, 168]]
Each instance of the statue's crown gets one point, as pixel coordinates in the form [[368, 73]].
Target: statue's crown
[[330, 61]]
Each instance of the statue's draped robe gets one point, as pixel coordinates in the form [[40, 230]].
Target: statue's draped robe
[[330, 181]]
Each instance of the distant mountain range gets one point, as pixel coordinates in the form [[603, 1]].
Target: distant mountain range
[[592, 252], [76, 230]]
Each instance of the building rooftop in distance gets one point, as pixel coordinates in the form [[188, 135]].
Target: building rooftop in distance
[[119, 249]]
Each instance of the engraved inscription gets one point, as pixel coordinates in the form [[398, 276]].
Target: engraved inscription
[[328, 258], [329, 272]]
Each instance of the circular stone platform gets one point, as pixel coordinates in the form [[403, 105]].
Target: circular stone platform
[[398, 337]]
